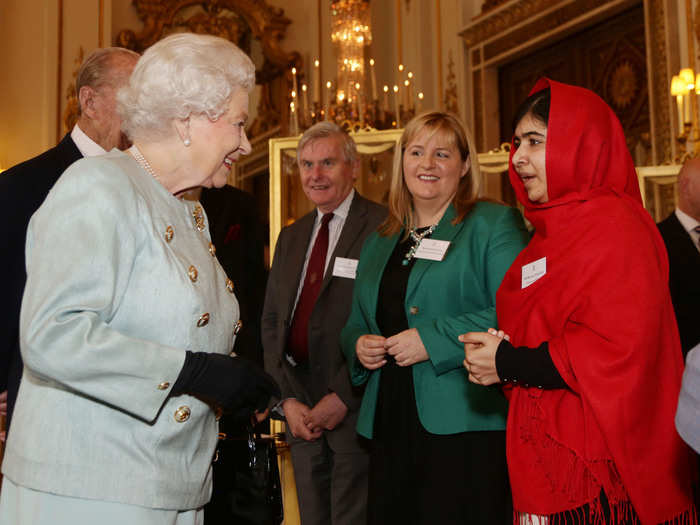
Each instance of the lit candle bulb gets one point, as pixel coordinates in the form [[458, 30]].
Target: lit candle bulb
[[420, 102], [396, 106], [328, 99], [305, 99], [295, 121], [386, 98], [374, 79], [317, 81], [407, 95], [295, 88], [360, 108]]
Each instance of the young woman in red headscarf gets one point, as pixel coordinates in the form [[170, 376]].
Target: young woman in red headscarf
[[594, 368]]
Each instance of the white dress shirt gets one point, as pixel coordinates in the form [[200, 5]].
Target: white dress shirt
[[335, 228], [86, 146], [689, 224]]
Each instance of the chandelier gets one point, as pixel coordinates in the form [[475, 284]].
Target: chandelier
[[350, 32], [351, 101]]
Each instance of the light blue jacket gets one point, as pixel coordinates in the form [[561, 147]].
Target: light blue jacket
[[112, 302]]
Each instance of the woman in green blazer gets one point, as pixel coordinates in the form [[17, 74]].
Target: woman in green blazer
[[430, 273]]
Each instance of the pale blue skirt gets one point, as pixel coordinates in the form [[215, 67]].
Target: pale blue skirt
[[23, 506]]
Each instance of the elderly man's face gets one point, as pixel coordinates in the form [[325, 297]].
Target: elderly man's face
[[106, 121], [326, 176], [689, 188]]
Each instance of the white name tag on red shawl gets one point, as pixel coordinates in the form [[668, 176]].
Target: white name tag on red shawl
[[432, 249], [533, 271], [345, 267]]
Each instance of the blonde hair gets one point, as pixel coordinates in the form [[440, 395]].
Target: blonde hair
[[401, 213]]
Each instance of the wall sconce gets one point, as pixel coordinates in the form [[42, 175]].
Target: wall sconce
[[684, 86]]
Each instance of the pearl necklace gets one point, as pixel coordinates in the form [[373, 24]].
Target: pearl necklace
[[416, 238], [142, 161]]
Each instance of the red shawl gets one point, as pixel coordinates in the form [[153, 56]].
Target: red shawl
[[604, 308]]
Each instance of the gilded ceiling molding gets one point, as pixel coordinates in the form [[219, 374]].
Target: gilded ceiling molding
[[496, 23], [488, 5]]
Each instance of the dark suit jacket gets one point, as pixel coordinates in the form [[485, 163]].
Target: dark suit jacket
[[23, 189], [684, 280], [239, 238], [328, 370]]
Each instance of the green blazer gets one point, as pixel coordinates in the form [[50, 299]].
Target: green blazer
[[443, 300]]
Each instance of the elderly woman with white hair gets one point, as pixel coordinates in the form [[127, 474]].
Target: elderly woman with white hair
[[127, 319]]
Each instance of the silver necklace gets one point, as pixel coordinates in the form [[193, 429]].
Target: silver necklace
[[142, 161], [416, 238]]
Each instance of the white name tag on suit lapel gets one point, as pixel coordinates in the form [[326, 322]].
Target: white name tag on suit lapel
[[533, 271], [432, 249], [345, 267]]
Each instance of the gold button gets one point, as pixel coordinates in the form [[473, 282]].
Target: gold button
[[192, 274], [203, 320], [182, 414], [198, 215], [413, 310], [163, 386], [237, 327], [229, 285], [169, 232], [212, 249]]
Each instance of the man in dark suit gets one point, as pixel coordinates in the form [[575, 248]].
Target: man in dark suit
[[239, 237], [681, 234], [307, 302], [24, 187], [239, 240]]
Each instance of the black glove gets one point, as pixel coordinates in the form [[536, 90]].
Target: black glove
[[234, 384]]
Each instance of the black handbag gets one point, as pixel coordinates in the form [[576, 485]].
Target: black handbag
[[247, 487]]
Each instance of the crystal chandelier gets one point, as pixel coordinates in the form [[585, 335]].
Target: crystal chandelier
[[353, 99], [350, 32]]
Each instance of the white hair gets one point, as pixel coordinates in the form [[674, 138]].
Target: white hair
[[184, 74]]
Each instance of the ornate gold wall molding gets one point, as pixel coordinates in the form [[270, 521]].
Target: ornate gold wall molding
[[660, 111], [451, 99], [495, 23], [507, 30], [71, 113], [239, 21], [488, 5]]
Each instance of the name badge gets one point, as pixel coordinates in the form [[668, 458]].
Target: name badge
[[432, 249], [533, 271], [345, 267]]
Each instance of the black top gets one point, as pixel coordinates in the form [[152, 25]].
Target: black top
[[527, 366], [391, 314]]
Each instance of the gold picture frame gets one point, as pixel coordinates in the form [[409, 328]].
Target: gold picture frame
[[659, 188]]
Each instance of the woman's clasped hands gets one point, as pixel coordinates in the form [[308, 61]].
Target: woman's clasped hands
[[406, 348], [480, 355]]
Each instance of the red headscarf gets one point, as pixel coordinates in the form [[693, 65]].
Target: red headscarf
[[603, 306]]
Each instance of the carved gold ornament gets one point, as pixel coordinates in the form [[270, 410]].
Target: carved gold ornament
[[623, 84]]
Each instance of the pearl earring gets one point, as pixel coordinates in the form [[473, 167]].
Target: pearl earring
[[186, 142]]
